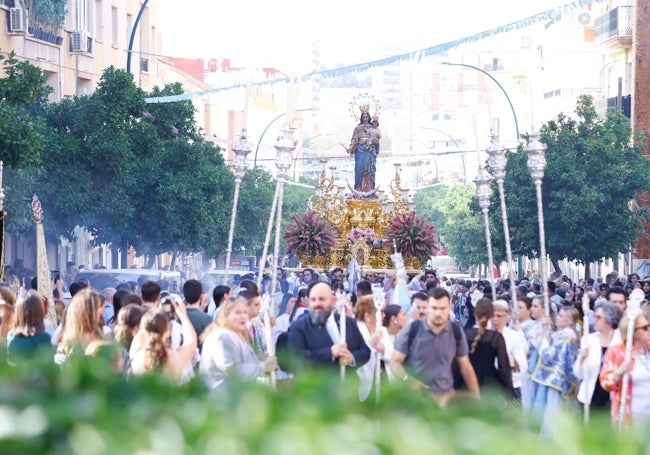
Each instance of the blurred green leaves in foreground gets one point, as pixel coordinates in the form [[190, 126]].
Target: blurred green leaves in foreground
[[87, 409]]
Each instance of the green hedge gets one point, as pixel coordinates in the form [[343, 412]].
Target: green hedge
[[84, 408]]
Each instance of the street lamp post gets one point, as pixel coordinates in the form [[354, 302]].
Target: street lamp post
[[484, 194], [536, 164], [302, 148], [257, 147], [497, 162], [132, 38], [241, 149], [512, 108], [285, 146]]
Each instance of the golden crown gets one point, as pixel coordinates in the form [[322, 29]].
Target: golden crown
[[364, 108]]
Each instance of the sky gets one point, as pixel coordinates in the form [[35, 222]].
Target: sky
[[280, 33]]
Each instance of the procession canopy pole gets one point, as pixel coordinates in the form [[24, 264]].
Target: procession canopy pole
[[44, 278], [632, 312], [585, 330], [268, 334], [267, 239], [341, 306], [379, 298]]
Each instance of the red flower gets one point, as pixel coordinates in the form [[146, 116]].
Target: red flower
[[414, 236], [308, 234]]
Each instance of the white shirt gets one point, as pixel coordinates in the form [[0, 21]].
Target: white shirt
[[517, 348], [589, 370], [225, 356], [640, 376], [366, 372]]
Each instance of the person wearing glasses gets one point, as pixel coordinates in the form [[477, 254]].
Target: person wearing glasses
[[637, 401], [592, 354]]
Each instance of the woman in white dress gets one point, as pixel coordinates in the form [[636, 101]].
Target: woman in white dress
[[227, 351], [377, 339]]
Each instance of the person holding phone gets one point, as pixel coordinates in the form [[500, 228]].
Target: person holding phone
[[152, 351]]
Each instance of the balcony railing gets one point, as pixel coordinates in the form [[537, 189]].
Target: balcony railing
[[615, 24]]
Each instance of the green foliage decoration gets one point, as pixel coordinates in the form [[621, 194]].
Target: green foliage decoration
[[85, 408]]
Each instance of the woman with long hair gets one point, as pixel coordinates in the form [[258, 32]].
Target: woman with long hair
[[227, 351], [82, 324], [154, 353], [7, 306], [28, 334], [126, 327], [637, 401], [594, 345], [487, 348]]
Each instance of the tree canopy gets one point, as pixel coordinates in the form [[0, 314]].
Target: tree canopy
[[461, 230], [23, 95], [594, 170]]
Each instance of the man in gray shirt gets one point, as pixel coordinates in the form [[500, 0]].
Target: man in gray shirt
[[429, 349]]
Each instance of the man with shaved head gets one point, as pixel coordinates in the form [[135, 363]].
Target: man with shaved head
[[316, 339]]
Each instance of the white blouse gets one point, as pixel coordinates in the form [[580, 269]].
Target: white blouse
[[226, 355]]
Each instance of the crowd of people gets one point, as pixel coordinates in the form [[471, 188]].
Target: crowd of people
[[447, 339]]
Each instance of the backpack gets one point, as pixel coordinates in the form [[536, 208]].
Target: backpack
[[417, 325]]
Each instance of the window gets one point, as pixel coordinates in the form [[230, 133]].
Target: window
[[129, 27], [99, 19], [114, 26], [84, 17]]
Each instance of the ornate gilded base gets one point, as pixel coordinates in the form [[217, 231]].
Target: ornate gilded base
[[365, 213]]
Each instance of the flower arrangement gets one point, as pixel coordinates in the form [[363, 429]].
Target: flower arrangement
[[309, 235], [413, 236], [362, 233]]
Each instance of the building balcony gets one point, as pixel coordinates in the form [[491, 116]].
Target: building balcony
[[614, 28]]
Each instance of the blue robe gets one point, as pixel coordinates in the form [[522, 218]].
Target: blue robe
[[365, 157], [554, 368]]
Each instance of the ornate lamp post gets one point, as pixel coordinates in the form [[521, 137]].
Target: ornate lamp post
[[285, 145], [536, 165], [484, 194], [497, 162], [239, 165]]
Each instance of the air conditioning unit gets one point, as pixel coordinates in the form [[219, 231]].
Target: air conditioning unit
[[79, 41], [586, 20], [17, 20]]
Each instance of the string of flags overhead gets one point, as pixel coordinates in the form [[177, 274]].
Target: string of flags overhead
[[417, 55]]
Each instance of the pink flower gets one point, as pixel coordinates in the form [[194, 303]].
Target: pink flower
[[362, 233]]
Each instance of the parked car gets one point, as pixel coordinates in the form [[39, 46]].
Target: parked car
[[109, 278]]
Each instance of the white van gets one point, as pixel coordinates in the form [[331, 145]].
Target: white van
[[445, 266], [110, 278]]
